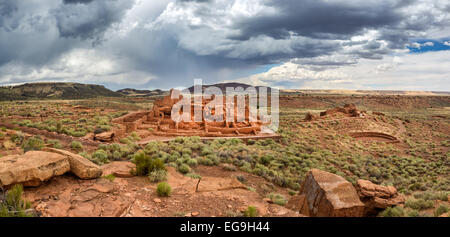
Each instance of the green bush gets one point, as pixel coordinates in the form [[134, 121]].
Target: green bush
[[145, 164], [251, 211], [109, 177], [76, 145], [157, 175], [163, 189], [17, 138], [100, 157], [12, 204], [183, 168], [419, 204], [277, 199], [192, 162], [55, 144], [441, 210], [396, 211], [33, 144]]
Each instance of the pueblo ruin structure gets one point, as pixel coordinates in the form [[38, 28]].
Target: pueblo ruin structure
[[159, 122]]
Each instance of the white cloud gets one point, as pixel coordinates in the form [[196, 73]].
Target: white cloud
[[426, 71], [79, 65]]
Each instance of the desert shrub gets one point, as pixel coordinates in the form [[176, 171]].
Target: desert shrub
[[251, 211], [100, 157], [419, 204], [157, 175], [33, 144], [412, 213], [277, 199], [109, 177], [241, 178], [85, 155], [192, 162], [55, 144], [12, 204], [396, 211], [2, 135], [194, 176], [145, 164], [163, 189], [183, 168], [441, 210], [17, 138], [76, 145]]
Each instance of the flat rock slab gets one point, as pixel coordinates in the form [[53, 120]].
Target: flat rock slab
[[32, 168], [80, 166]]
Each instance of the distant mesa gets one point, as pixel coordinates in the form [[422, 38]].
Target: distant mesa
[[223, 86], [141, 93]]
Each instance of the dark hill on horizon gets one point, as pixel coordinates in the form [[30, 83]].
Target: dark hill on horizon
[[55, 90], [223, 86], [141, 93]]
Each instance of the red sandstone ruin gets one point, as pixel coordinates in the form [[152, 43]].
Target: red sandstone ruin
[[159, 122]]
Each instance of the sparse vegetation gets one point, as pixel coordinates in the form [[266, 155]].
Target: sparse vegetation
[[251, 211], [163, 189], [12, 204], [33, 144]]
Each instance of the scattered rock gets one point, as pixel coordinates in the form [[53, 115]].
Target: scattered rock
[[329, 195], [104, 137], [268, 200], [121, 169], [157, 200], [32, 168], [80, 166], [376, 197], [311, 117]]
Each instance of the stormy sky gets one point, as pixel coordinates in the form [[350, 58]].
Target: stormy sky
[[149, 44]]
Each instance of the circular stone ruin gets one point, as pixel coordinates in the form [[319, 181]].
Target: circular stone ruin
[[374, 136]]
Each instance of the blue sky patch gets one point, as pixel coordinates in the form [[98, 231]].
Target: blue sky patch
[[426, 45]]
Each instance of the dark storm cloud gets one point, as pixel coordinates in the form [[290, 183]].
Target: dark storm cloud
[[189, 39], [90, 19], [77, 1], [319, 19], [37, 32]]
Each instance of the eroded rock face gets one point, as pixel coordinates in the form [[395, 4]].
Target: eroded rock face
[[328, 195], [377, 197], [80, 166], [32, 168]]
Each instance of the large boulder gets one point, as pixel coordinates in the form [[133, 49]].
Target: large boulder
[[32, 168], [80, 166], [377, 197], [329, 195]]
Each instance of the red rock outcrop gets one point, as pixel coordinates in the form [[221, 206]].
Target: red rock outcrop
[[327, 195], [376, 197]]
